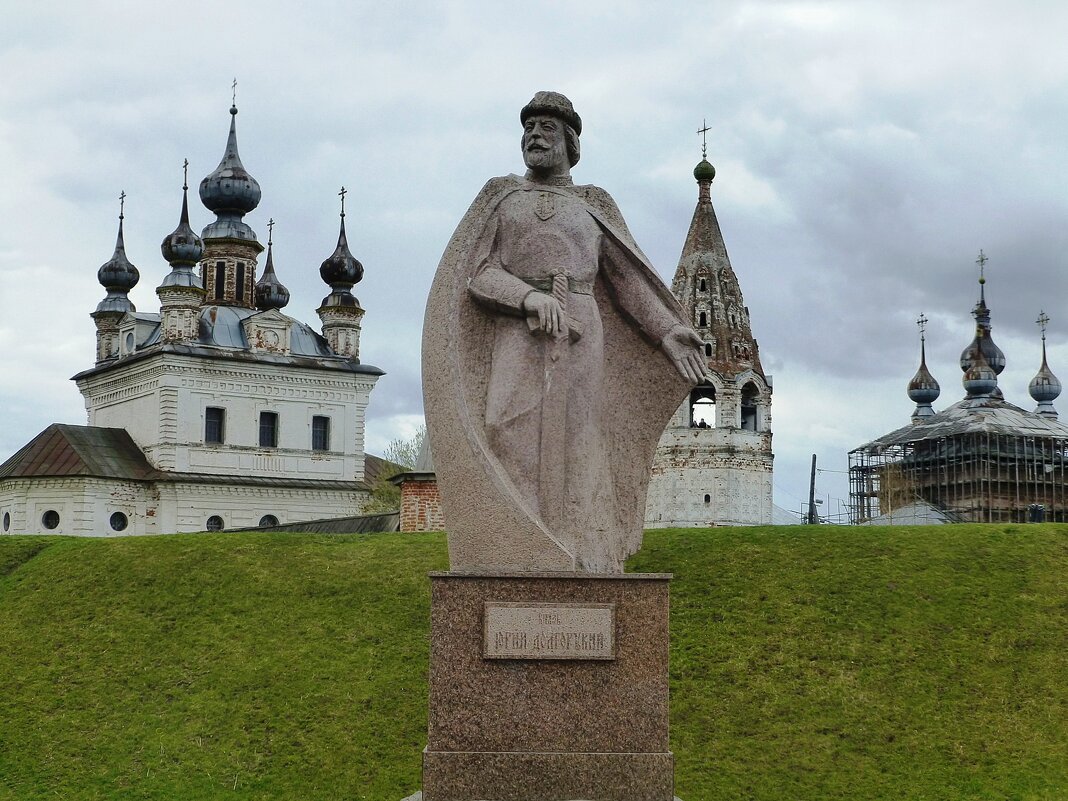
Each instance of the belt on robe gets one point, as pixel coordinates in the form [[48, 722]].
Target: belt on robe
[[574, 286]]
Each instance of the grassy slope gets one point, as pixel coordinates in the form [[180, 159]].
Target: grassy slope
[[927, 663]]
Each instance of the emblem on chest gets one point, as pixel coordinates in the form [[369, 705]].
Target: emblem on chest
[[545, 205]]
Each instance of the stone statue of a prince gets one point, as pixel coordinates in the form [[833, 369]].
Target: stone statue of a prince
[[553, 357]]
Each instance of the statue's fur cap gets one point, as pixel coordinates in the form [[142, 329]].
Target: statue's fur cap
[[553, 104]]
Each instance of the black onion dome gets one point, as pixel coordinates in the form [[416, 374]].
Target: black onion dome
[[341, 271], [230, 188], [992, 354], [270, 292], [183, 246], [118, 276]]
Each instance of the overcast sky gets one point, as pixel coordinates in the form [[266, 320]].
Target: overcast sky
[[865, 152]]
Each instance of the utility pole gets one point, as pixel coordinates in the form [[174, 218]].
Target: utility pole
[[813, 518]]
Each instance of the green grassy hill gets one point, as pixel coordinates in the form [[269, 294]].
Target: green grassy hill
[[807, 663]]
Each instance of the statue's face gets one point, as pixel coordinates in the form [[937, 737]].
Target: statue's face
[[545, 145]]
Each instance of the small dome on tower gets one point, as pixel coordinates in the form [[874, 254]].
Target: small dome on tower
[[979, 379], [270, 292], [117, 275], [342, 270], [183, 246], [923, 389], [230, 187], [1045, 386], [704, 171]]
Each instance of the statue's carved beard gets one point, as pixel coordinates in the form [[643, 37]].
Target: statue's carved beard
[[544, 157]]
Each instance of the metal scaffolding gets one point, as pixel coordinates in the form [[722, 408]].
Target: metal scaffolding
[[977, 473]]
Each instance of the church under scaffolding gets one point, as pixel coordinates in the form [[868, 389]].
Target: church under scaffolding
[[990, 464], [982, 460]]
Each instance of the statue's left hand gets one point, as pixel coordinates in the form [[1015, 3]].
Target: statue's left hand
[[683, 347]]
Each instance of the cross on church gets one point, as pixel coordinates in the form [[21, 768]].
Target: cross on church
[[981, 261], [703, 130], [343, 192], [233, 99], [122, 203], [922, 323], [1042, 320], [270, 231], [185, 174]]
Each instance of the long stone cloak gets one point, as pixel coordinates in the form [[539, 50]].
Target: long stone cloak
[[490, 525]]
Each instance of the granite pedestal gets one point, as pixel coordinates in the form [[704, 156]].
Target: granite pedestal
[[548, 687]]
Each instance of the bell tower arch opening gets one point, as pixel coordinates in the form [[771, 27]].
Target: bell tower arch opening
[[750, 407], [703, 406]]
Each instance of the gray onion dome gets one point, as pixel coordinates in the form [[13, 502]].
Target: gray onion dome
[[270, 293], [993, 355], [118, 276], [341, 271], [183, 246], [1045, 386], [979, 379], [923, 389], [230, 188]]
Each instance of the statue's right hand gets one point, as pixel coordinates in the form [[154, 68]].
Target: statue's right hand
[[549, 312]]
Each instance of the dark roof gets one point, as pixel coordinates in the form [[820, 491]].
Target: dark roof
[[360, 524], [984, 415], [66, 450], [375, 467]]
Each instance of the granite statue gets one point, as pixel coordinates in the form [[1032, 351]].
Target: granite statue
[[553, 356]]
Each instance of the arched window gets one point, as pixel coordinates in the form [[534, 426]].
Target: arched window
[[214, 523], [708, 349], [704, 285], [750, 416], [702, 320], [268, 520], [703, 407]]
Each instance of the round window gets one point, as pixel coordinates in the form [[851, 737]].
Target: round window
[[119, 522], [268, 520], [7, 521], [50, 519], [215, 523]]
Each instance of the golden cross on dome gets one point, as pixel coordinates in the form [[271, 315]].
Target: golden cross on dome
[[343, 192], [703, 130]]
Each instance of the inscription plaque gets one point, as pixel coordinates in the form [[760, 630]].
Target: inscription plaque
[[548, 631]]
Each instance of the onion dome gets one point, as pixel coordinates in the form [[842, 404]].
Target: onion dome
[[993, 355], [270, 293], [230, 192], [117, 275], [182, 248], [342, 270], [923, 390], [704, 171], [980, 380], [1044, 387]]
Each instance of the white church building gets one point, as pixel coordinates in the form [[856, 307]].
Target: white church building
[[217, 412]]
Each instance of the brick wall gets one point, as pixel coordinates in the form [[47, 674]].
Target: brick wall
[[420, 508]]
